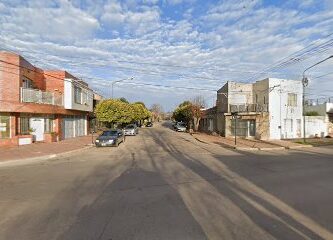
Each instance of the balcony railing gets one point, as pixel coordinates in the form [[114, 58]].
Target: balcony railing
[[249, 108], [37, 96]]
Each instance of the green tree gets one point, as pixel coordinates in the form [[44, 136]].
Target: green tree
[[140, 112], [183, 112], [190, 112], [114, 111], [123, 100], [140, 103]]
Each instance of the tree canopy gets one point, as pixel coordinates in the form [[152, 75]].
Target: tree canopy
[[190, 112], [120, 112]]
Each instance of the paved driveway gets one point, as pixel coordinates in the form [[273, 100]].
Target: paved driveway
[[166, 185]]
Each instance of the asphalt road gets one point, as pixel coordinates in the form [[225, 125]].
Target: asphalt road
[[166, 185]]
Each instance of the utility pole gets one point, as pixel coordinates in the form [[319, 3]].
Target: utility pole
[[117, 81], [305, 83], [234, 115]]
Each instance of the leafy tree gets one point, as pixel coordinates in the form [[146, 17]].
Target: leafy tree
[[140, 103], [183, 112], [140, 112], [114, 111], [312, 113], [190, 112], [123, 100]]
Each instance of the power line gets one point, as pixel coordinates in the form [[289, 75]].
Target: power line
[[297, 56]]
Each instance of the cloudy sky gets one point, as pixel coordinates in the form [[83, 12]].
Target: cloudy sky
[[174, 49]]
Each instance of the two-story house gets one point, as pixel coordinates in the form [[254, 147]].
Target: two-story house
[[267, 109], [39, 105]]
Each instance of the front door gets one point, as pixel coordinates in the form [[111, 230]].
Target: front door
[[37, 126]]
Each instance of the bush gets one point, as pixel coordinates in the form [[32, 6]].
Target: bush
[[312, 113]]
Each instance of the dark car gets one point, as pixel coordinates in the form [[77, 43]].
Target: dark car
[[110, 138], [131, 130], [149, 124]]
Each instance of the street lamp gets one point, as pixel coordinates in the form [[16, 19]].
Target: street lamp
[[117, 81], [305, 83]]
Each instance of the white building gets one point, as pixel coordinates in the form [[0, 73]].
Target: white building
[[267, 109], [320, 124]]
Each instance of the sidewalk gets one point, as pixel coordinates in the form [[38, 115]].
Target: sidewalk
[[44, 149], [246, 144]]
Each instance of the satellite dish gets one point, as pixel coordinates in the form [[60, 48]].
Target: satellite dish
[[305, 81]]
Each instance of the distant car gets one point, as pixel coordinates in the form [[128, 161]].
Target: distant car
[[131, 130], [110, 138], [149, 124], [180, 127]]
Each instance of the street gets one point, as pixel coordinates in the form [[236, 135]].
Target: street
[[166, 185]]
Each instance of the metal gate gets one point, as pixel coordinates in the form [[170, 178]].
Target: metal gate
[[73, 126], [68, 127]]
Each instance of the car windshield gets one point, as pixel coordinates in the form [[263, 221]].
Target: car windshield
[[181, 124], [130, 127], [109, 133]]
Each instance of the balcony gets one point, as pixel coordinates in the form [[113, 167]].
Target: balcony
[[37, 96], [249, 108]]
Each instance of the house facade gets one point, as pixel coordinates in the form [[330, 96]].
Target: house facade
[[38, 105], [267, 109]]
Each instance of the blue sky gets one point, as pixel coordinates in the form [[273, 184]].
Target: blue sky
[[180, 43]]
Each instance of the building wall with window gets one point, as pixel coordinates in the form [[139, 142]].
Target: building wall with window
[[77, 96], [31, 102], [267, 109], [285, 108]]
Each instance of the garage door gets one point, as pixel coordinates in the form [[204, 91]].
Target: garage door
[[80, 126], [68, 127], [73, 126]]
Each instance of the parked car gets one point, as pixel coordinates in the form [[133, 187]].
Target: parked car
[[180, 127], [131, 130], [149, 124], [110, 138]]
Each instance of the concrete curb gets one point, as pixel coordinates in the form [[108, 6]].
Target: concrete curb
[[26, 161], [298, 147], [272, 148], [200, 140], [246, 148]]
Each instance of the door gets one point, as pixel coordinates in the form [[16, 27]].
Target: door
[[288, 128], [80, 126], [252, 128], [68, 127], [37, 124]]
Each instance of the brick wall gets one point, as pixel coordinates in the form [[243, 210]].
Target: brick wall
[[9, 78]]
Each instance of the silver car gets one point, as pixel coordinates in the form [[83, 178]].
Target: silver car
[[110, 138], [180, 127], [131, 130]]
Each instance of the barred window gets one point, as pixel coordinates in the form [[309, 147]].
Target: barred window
[[4, 126], [24, 125], [292, 99]]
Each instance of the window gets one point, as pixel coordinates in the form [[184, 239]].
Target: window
[[292, 99], [24, 125], [48, 125], [77, 95], [264, 99], [84, 97], [4, 126], [27, 83], [256, 98]]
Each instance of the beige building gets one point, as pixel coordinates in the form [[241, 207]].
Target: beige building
[[267, 109]]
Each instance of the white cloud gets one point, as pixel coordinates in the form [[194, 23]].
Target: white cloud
[[111, 41], [65, 23]]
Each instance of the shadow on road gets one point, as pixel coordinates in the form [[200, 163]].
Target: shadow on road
[[262, 212]]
